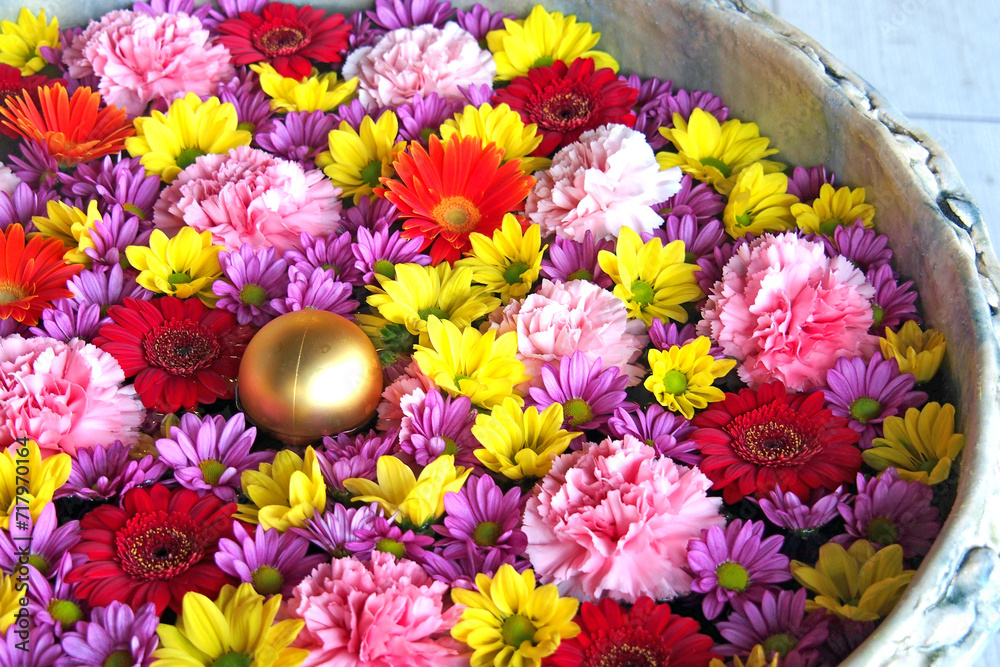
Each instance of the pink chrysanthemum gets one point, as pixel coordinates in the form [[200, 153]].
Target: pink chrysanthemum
[[615, 520], [606, 180], [65, 396], [419, 61], [249, 196], [787, 312]]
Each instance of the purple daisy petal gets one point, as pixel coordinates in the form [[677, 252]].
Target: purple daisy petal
[[354, 456], [589, 395], [274, 562], [651, 108], [806, 183], [124, 183], [394, 14], [572, 260], [479, 20], [371, 215], [113, 630], [460, 571], [378, 252], [53, 602], [104, 472], [482, 517], [67, 319], [866, 248], [363, 31], [694, 198], [332, 253], [253, 106], [894, 302], [112, 234], [422, 116], [434, 424], [156, 7], [106, 288], [24, 204], [230, 9], [43, 648], [666, 432], [36, 167], [699, 239], [47, 542], [334, 529], [320, 290], [788, 511], [385, 536], [298, 136], [780, 624], [253, 280]]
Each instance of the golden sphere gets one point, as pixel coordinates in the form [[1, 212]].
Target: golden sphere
[[307, 374]]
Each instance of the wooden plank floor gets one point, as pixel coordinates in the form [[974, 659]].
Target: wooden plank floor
[[935, 60]]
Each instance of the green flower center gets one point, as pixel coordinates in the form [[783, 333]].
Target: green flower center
[[188, 156], [865, 409], [387, 545], [178, 278], [543, 61], [384, 267], [732, 576], [233, 660], [718, 164], [514, 272], [577, 411], [642, 293], [882, 531], [137, 212], [267, 580], [927, 466], [516, 630], [450, 448], [780, 644], [121, 658], [212, 471], [486, 533], [877, 315], [580, 274], [689, 258], [827, 228], [65, 612], [249, 127], [743, 220], [371, 172], [252, 295], [424, 313], [675, 382], [39, 563]]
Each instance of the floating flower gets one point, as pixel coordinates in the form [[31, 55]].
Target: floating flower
[[587, 393], [519, 443], [358, 159], [833, 208], [682, 378], [508, 621], [156, 547], [786, 510], [434, 424], [270, 561], [921, 445], [284, 493], [319, 92], [32, 274], [502, 126], [541, 39], [894, 302], [757, 439], [806, 183], [916, 351], [186, 265], [113, 634], [508, 264], [21, 43], [758, 203], [577, 260], [287, 37], [253, 279], [778, 622], [102, 472], [661, 507], [45, 478], [866, 248], [666, 432]]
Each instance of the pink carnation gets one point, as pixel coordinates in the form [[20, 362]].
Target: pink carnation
[[615, 520], [787, 312], [250, 196], [409, 62], [140, 57], [390, 410], [65, 396], [578, 316], [607, 180], [380, 613]]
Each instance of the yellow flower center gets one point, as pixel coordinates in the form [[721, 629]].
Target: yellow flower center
[[457, 214], [252, 295], [11, 293], [65, 612], [516, 630], [732, 576], [388, 545]]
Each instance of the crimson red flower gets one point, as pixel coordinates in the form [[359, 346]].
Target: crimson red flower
[[756, 439], [159, 545], [648, 635], [12, 82], [32, 274], [287, 37], [181, 353], [457, 188], [565, 102]]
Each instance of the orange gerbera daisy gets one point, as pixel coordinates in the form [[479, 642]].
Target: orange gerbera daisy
[[456, 188], [31, 275], [75, 129]]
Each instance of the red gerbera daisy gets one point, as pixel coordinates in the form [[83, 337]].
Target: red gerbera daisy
[[74, 129], [756, 439], [12, 82], [287, 37], [31, 275], [648, 635], [457, 188], [159, 545], [181, 353], [565, 102]]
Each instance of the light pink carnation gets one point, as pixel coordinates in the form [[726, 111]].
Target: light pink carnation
[[66, 396], [380, 613], [787, 312], [615, 520], [578, 316], [140, 57], [408, 62], [606, 180], [250, 196], [390, 410]]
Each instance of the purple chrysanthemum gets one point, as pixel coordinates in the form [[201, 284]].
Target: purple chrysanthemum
[[68, 318], [23, 205], [327, 252], [866, 392], [368, 214], [479, 20], [665, 336], [253, 106], [378, 252], [124, 183], [385, 536], [866, 248], [572, 260], [36, 167], [694, 198], [460, 571], [112, 234], [477, 96], [434, 424], [805, 183], [114, 635], [482, 517], [889, 510], [651, 109], [711, 266], [353, 113], [156, 7], [10, 326], [845, 636], [684, 102], [587, 394], [103, 472], [274, 562], [47, 542], [230, 9], [43, 649], [699, 239], [666, 432], [53, 602], [106, 288], [319, 290], [735, 563], [363, 31], [298, 136], [422, 116], [334, 528], [894, 302], [354, 455], [211, 453], [786, 510], [393, 14], [779, 623], [253, 280]]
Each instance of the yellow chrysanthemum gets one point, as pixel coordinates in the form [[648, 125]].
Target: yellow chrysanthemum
[[319, 92], [356, 160], [465, 362], [71, 226], [10, 601], [167, 143], [418, 500], [421, 291], [682, 378], [184, 266], [236, 629], [832, 209], [858, 583], [44, 477], [921, 445], [519, 443], [508, 264], [285, 493], [759, 203], [713, 152], [502, 126], [917, 352], [541, 39], [20, 42], [757, 658], [652, 280], [508, 621]]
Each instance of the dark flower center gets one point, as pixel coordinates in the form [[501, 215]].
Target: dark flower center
[[780, 644], [516, 630], [457, 214], [486, 533], [774, 435], [159, 545], [181, 348], [629, 656], [120, 658], [577, 411], [882, 531], [562, 111], [267, 580], [865, 409], [280, 37], [732, 576]]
